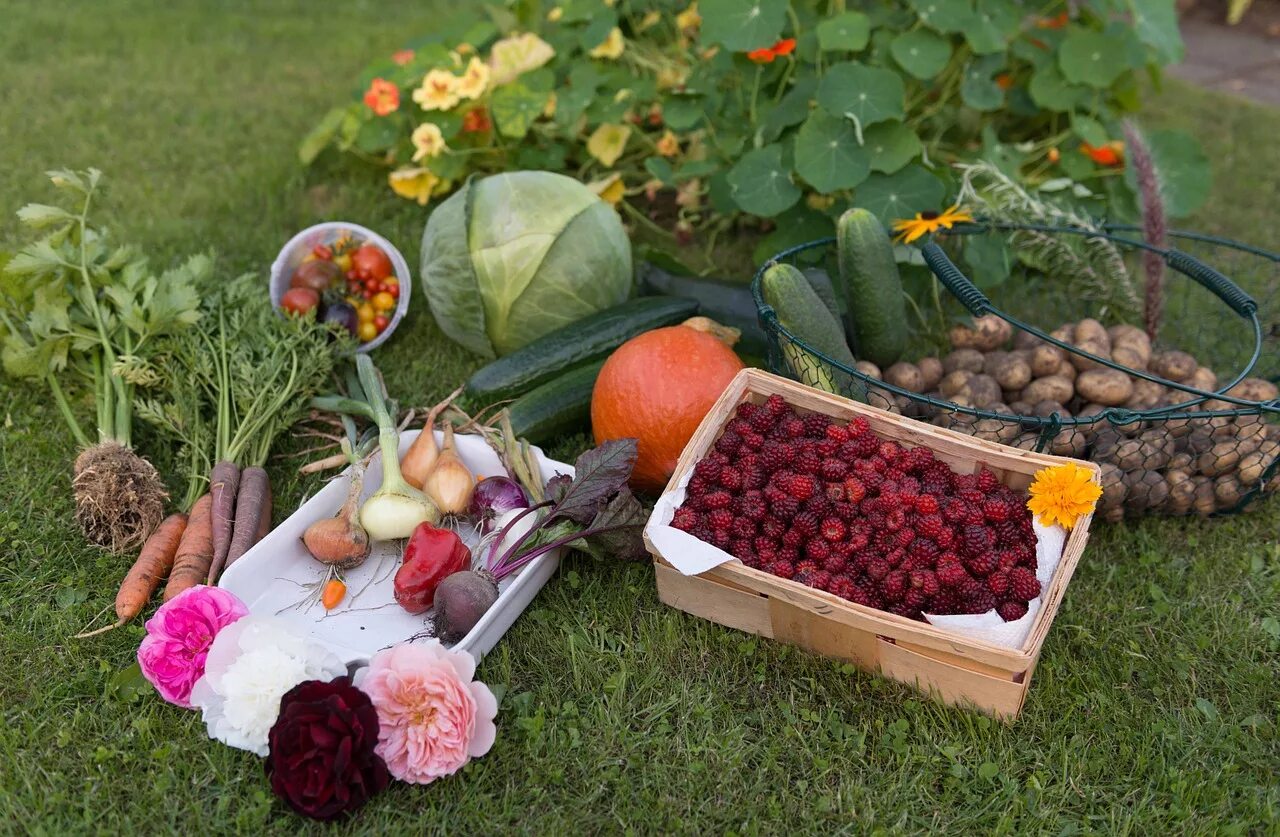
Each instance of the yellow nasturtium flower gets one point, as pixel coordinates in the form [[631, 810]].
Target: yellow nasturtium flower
[[689, 18], [439, 91], [427, 140], [549, 109], [555, 14], [518, 54], [650, 20], [668, 145], [611, 47], [611, 189], [416, 184], [608, 142], [475, 80]]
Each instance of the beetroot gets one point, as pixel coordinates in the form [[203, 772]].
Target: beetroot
[[460, 601]]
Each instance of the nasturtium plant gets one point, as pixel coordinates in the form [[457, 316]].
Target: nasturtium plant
[[689, 114]]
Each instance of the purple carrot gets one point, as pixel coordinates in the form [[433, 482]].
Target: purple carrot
[[253, 499], [224, 481]]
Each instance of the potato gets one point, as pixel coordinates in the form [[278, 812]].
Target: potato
[[1173, 365], [1082, 363], [1219, 459], [989, 332], [1146, 395], [1254, 464], [969, 360], [1227, 491], [1114, 491], [997, 430], [1130, 455], [981, 391], [1026, 440], [1009, 371], [1050, 388], [1090, 330], [1104, 386], [1255, 389], [905, 375], [1128, 357], [954, 382], [1045, 360], [1065, 332], [1046, 408], [1066, 370], [1203, 378], [1070, 441], [1127, 333], [1130, 346], [1019, 407], [869, 369], [1198, 441], [1181, 461], [1160, 447], [1182, 492], [931, 369], [1205, 503], [1146, 490], [1025, 340]]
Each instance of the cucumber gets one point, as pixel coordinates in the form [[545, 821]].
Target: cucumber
[[801, 311], [725, 301], [587, 339], [556, 407], [871, 287]]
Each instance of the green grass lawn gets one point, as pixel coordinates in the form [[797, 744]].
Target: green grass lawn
[[1155, 704]]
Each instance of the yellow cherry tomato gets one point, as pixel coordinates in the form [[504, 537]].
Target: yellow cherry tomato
[[383, 301], [366, 331], [365, 312], [343, 261]]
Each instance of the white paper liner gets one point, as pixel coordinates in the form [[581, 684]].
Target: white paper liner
[[693, 557]]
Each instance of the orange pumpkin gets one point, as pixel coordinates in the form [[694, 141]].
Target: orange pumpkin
[[657, 387]]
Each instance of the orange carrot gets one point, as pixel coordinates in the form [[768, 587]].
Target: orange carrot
[[334, 591], [195, 550], [144, 576]]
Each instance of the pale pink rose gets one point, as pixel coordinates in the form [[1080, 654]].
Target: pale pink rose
[[173, 652], [432, 717]]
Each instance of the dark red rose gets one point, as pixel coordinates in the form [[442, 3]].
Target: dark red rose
[[321, 758]]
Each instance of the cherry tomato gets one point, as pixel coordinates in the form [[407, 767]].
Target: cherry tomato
[[322, 251], [393, 288], [299, 300], [344, 262], [371, 261], [366, 331], [383, 301], [380, 323], [316, 275], [365, 312]]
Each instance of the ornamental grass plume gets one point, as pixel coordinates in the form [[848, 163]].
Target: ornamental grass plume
[[1153, 224]]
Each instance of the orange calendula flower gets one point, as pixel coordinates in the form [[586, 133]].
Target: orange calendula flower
[[1063, 494], [909, 229], [402, 56], [1111, 154], [1056, 22], [382, 97]]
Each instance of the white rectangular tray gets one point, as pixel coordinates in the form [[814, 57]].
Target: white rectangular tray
[[269, 578]]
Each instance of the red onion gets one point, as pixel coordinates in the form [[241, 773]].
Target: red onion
[[492, 497]]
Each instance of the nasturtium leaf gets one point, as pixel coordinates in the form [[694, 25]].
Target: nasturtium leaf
[[945, 15], [891, 146], [682, 112], [608, 142], [921, 53], [696, 168], [894, 196], [595, 32], [515, 107], [760, 185], [742, 25], [797, 225], [1185, 175], [848, 31], [661, 170], [978, 88], [1051, 91], [865, 94], [321, 135], [1156, 24], [377, 135], [828, 155], [994, 23], [1088, 129], [790, 110], [1091, 58], [988, 258], [571, 103]]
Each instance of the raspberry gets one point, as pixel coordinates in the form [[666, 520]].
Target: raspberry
[[854, 490], [835, 563], [801, 486], [685, 519], [763, 543], [746, 410], [917, 460], [717, 457], [835, 492], [716, 500], [946, 538], [806, 523], [955, 511], [845, 511], [859, 426], [927, 504], [904, 537], [827, 447], [775, 406], [832, 469], [878, 568], [738, 425], [833, 529], [1007, 532], [802, 566], [944, 602], [792, 538], [708, 469], [742, 527], [889, 451], [773, 527], [754, 477], [978, 540], [753, 560], [730, 479], [782, 569], [924, 550], [813, 577], [792, 428], [807, 461], [720, 518], [728, 443], [931, 485], [1006, 559], [1023, 584], [720, 538], [817, 550], [819, 505], [775, 456], [789, 554], [751, 505], [1012, 611], [960, 482], [751, 440], [979, 601], [914, 601], [815, 425], [838, 433], [739, 547], [951, 575], [785, 508], [925, 580], [842, 587], [971, 496], [864, 445], [893, 586], [998, 584], [981, 565], [895, 520], [987, 482]]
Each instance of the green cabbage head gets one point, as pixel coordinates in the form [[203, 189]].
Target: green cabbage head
[[510, 257]]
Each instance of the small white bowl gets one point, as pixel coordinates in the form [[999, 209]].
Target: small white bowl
[[292, 254]]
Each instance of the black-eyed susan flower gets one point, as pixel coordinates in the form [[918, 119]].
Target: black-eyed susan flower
[[925, 223]]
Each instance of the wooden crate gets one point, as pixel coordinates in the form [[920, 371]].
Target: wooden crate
[[955, 669]]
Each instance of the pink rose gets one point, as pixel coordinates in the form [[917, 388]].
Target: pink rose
[[178, 637], [432, 717]]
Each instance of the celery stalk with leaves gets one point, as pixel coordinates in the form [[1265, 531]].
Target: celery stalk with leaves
[[81, 311]]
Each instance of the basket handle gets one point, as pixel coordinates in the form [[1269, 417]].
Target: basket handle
[[955, 280], [1226, 290]]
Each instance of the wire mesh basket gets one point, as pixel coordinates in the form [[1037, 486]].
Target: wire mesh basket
[[1190, 424]]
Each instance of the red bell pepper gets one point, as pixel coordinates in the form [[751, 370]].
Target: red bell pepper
[[431, 555]]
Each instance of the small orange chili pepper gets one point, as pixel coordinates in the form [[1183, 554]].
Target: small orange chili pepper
[[334, 592]]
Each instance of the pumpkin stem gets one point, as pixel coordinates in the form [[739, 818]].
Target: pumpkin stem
[[727, 335]]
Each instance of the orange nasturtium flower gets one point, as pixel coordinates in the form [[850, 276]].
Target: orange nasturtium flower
[[766, 55], [786, 46], [909, 229], [1056, 22], [476, 121], [1004, 81], [382, 97], [1110, 154], [402, 56], [760, 56], [1053, 154], [1063, 494]]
